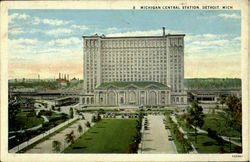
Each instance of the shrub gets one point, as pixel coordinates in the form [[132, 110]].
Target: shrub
[[212, 133], [88, 124], [93, 119], [98, 117], [133, 148], [101, 111], [71, 113], [47, 113], [31, 114], [56, 146]]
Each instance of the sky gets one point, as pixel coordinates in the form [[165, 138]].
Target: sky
[[49, 42]]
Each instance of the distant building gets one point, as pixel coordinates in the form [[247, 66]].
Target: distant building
[[62, 80], [158, 59]]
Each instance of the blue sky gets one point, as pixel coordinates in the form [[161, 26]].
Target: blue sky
[[49, 41]]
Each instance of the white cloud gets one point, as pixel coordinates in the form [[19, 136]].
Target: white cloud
[[137, 33], [203, 37], [12, 17], [81, 27], [23, 41], [23, 16], [230, 16], [36, 21], [237, 39], [16, 31], [209, 43], [55, 22], [58, 31], [66, 41]]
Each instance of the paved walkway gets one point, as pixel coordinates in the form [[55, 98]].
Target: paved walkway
[[155, 139], [46, 146]]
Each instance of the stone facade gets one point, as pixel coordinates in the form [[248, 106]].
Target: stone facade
[[135, 59], [148, 93]]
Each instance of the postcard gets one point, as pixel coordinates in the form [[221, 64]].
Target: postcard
[[124, 81]]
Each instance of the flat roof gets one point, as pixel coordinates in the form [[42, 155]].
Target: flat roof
[[104, 37]]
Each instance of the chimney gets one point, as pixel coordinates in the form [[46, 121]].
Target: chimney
[[163, 30], [59, 75]]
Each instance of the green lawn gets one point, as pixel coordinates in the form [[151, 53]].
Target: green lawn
[[217, 123], [106, 136], [26, 122], [183, 123], [206, 144]]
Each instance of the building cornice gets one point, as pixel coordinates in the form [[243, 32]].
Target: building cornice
[[104, 37]]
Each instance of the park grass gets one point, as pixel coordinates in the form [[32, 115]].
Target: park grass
[[24, 122], [178, 145], [106, 136], [217, 123], [206, 144]]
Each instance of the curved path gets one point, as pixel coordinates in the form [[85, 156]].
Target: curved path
[[155, 139]]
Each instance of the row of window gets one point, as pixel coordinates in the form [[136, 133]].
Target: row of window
[[131, 41], [133, 79]]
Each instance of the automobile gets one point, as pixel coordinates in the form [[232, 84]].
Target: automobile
[[170, 139]]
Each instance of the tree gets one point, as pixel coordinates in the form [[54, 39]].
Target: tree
[[80, 129], [233, 115], [195, 116], [56, 146], [70, 137], [14, 109], [222, 100]]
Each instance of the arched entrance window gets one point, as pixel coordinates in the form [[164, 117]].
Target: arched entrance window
[[111, 98], [152, 98], [121, 100], [132, 97]]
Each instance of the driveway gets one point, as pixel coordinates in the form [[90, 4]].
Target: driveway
[[155, 139]]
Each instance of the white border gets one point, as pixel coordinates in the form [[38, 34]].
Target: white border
[[124, 4]]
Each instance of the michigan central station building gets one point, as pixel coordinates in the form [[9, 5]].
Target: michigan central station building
[[138, 70]]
